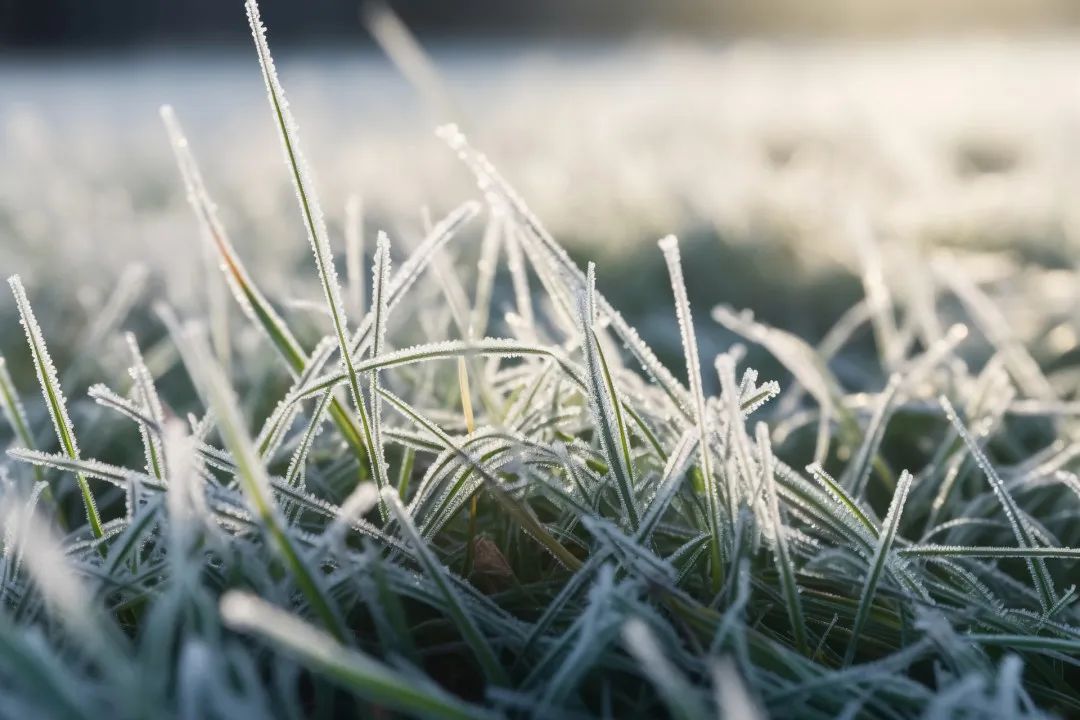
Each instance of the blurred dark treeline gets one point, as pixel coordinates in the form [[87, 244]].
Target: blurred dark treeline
[[51, 25]]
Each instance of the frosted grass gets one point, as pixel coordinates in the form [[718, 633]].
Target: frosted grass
[[572, 531], [54, 398]]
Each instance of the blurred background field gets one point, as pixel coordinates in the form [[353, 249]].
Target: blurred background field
[[757, 148]]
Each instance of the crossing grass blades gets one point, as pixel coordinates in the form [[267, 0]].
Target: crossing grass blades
[[453, 514]]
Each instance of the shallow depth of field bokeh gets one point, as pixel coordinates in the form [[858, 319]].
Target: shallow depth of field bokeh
[[899, 190]]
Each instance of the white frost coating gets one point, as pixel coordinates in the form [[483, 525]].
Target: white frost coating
[[380, 292], [381, 308], [305, 188], [889, 527], [119, 476], [54, 395], [46, 370], [670, 247], [1040, 576], [758, 396], [604, 401]]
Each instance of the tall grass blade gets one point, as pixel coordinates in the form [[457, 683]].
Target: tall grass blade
[[252, 475], [1040, 576], [605, 404], [15, 413], [877, 563], [54, 398], [785, 567], [670, 248], [317, 235]]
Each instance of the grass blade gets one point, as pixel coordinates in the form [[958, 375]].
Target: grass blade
[[353, 670], [15, 413], [784, 565], [604, 401], [877, 562], [317, 235], [670, 247], [54, 398], [251, 473], [1040, 576], [679, 696], [455, 607]]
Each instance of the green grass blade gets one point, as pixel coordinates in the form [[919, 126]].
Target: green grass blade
[[606, 407], [317, 234], [1040, 576], [877, 562], [54, 398]]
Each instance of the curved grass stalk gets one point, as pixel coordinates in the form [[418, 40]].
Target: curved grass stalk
[[522, 514]]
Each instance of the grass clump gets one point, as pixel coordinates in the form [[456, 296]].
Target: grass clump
[[593, 538]]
